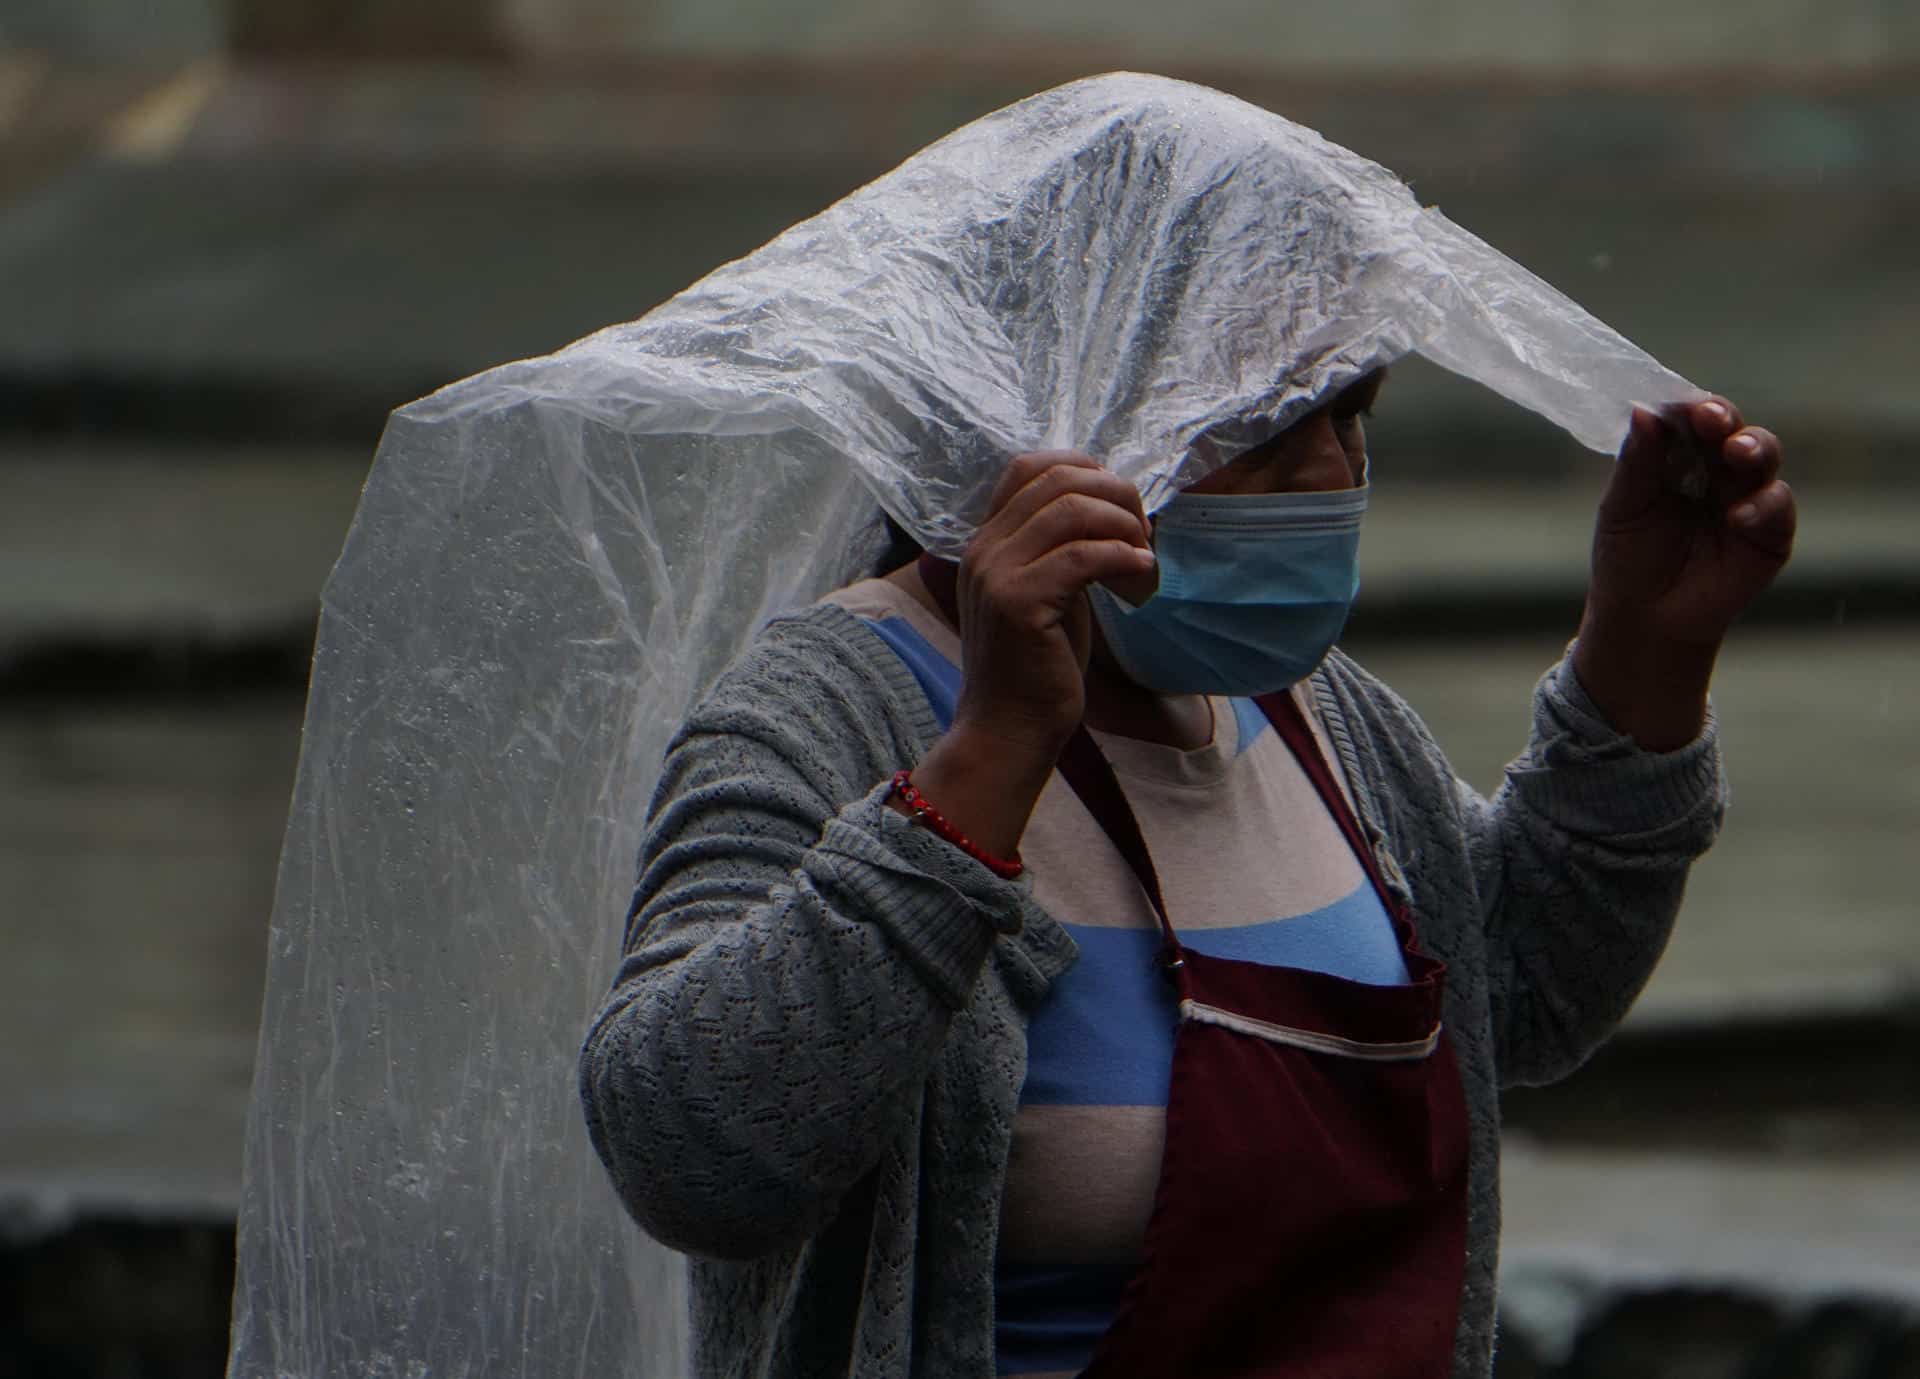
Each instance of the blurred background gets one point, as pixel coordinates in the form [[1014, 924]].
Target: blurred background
[[235, 233]]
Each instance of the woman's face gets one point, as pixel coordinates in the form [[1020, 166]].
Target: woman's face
[[1324, 450]]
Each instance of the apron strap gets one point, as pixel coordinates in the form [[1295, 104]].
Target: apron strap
[[1085, 768], [1283, 711]]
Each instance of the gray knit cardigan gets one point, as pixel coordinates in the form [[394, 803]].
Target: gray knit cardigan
[[807, 1071]]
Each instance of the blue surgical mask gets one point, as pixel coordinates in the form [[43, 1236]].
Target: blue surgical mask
[[1254, 591]]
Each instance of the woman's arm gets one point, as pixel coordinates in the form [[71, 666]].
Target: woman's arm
[[1562, 888], [1580, 863], [794, 953], [797, 945], [1584, 851]]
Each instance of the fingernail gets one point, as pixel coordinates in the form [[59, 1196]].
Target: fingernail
[[1745, 515], [1715, 411], [1746, 445]]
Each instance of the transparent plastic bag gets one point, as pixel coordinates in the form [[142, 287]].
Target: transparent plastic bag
[[552, 559]]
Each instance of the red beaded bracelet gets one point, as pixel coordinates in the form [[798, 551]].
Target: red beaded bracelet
[[937, 824]]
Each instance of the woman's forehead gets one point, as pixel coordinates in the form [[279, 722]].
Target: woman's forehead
[[1351, 399], [1361, 393]]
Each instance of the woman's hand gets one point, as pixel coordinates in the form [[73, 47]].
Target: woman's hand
[[1057, 523], [1695, 524]]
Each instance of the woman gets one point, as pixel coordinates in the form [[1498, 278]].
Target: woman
[[916, 1108], [848, 1064]]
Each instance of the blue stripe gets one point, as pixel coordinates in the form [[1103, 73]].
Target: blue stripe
[[1048, 1320], [1104, 1034], [1351, 938], [939, 678], [1250, 721]]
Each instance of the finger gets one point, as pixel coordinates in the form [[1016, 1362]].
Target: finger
[[1022, 470], [1750, 459], [1712, 421], [1639, 479], [1766, 521], [1072, 516], [1054, 470], [1068, 569], [1055, 482]]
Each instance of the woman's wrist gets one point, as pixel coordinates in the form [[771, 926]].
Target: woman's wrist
[[984, 784], [1655, 694], [923, 812]]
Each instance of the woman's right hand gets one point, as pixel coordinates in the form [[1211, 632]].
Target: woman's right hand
[[1057, 522]]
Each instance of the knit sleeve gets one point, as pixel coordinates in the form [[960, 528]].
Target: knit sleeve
[[1581, 858], [794, 953]]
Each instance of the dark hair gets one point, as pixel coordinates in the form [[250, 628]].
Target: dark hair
[[900, 549]]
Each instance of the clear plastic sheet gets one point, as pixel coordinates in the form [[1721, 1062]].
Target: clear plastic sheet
[[551, 560]]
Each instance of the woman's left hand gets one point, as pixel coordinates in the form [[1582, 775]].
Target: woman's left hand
[[1675, 563]]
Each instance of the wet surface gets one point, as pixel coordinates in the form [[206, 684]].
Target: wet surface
[[136, 542], [1845, 1224], [138, 860]]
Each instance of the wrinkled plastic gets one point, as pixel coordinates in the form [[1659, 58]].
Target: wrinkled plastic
[[553, 558]]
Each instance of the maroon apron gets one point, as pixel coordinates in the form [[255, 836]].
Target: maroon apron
[[1311, 1214]]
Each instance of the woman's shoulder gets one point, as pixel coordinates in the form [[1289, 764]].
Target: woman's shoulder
[[871, 599], [820, 671], [1352, 681], [1373, 723], [848, 631]]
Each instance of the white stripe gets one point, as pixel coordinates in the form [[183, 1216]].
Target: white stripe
[[1312, 1040]]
